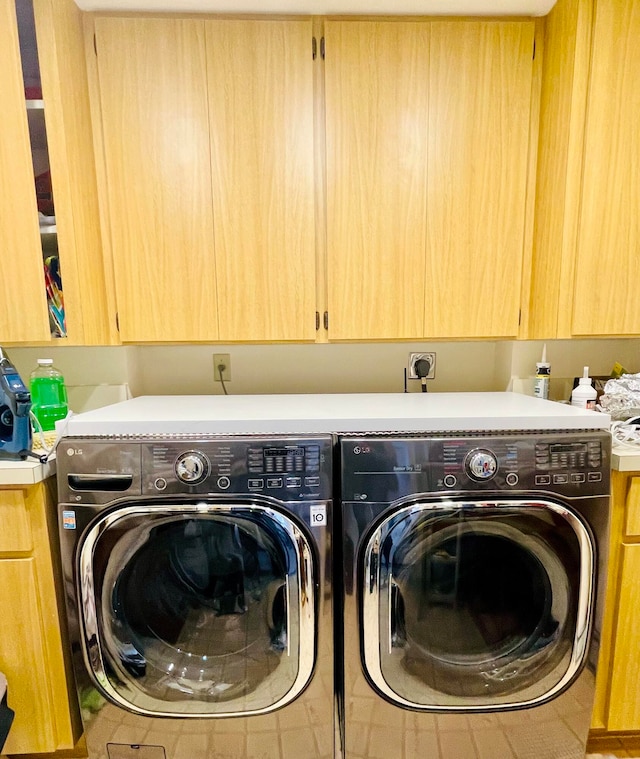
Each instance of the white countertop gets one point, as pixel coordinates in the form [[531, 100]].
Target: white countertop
[[357, 412], [25, 472], [625, 459]]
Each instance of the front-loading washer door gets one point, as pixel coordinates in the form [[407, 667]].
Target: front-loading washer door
[[197, 609], [476, 605]]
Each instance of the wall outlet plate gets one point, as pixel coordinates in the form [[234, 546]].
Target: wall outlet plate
[[413, 360], [218, 360]]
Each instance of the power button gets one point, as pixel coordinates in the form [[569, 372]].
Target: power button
[[223, 483]]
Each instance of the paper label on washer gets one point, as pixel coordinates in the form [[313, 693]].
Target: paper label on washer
[[318, 516], [69, 520]]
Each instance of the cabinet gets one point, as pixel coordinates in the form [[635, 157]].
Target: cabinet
[[617, 705], [20, 254], [427, 170], [32, 644], [586, 237], [24, 315], [207, 128], [607, 260]]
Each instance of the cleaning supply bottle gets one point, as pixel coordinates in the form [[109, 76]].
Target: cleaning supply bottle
[[543, 375], [584, 393], [48, 394]]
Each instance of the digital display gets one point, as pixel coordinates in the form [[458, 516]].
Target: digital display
[[568, 448], [274, 452]]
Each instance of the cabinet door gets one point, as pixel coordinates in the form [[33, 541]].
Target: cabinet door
[[480, 78], [23, 660], [624, 705], [153, 97], [607, 261], [377, 82], [260, 87], [23, 309], [427, 156], [88, 286]]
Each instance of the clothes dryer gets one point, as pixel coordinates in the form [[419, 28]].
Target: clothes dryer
[[199, 594], [474, 567]]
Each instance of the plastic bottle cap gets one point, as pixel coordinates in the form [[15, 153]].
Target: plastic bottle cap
[[585, 379], [45, 361]]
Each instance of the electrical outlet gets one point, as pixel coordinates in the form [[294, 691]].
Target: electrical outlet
[[413, 360], [222, 359]]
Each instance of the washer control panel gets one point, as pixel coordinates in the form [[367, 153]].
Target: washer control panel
[[573, 464], [99, 471]]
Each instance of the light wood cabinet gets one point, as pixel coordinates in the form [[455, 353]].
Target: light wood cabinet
[[24, 315], [617, 706], [427, 170], [608, 261], [23, 308], [586, 238], [33, 653], [207, 132]]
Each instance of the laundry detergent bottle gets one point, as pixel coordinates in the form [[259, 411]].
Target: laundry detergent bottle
[[48, 394]]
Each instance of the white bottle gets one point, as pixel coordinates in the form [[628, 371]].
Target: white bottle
[[543, 372], [584, 394]]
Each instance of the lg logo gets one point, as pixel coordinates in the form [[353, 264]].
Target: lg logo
[[74, 451], [358, 449]]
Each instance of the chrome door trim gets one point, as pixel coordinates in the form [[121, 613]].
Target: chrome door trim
[[303, 584], [372, 639]]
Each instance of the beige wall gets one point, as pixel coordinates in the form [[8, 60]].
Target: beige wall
[[358, 367]]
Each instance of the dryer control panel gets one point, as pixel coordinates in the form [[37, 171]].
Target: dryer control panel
[[99, 471], [385, 468]]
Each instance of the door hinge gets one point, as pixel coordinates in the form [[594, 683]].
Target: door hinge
[[326, 320], [317, 320], [314, 48], [534, 49], [95, 45], [117, 322], [519, 317], [322, 48]]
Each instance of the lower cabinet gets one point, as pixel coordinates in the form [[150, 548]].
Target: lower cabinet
[[32, 639], [617, 707]]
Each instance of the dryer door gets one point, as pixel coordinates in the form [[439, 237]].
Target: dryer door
[[471, 605], [197, 609]]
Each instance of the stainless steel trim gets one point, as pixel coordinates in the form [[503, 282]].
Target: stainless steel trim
[[304, 589], [371, 599], [390, 611], [287, 591]]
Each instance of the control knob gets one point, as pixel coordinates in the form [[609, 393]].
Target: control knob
[[192, 467], [481, 464]]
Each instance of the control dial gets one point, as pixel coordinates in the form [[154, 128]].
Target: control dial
[[192, 467], [481, 464]]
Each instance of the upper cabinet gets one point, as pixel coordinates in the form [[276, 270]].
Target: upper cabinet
[[208, 139], [608, 254], [428, 128], [587, 238], [20, 252], [50, 243]]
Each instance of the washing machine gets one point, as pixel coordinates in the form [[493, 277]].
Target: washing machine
[[199, 596], [473, 573]]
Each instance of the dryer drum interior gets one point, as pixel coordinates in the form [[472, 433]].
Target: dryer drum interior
[[476, 604]]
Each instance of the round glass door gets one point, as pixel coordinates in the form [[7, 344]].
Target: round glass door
[[472, 605], [198, 610]]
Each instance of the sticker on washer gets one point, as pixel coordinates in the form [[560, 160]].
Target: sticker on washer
[[69, 520], [318, 516]]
